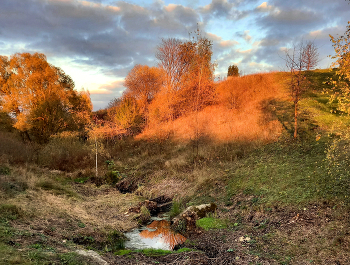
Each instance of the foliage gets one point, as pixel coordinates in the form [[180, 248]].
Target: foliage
[[338, 155], [151, 252], [143, 83], [127, 116], [116, 240], [232, 71], [40, 96], [189, 77], [341, 84]]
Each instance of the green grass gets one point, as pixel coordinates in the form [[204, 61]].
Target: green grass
[[290, 173], [208, 223], [176, 209], [151, 252], [56, 187]]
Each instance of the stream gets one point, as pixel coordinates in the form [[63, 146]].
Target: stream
[[157, 235]]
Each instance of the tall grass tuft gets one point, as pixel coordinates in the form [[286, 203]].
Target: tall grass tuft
[[67, 153]]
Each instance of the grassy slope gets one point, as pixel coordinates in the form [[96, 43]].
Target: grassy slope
[[259, 188]]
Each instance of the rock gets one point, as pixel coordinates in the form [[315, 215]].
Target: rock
[[186, 221], [162, 199], [200, 210], [150, 205], [156, 205], [93, 255], [126, 185]]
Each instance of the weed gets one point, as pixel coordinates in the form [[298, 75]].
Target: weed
[[176, 209], [81, 180], [55, 187], [4, 170], [13, 188], [10, 212], [116, 240], [81, 225]]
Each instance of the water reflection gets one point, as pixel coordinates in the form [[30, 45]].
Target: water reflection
[[156, 235]]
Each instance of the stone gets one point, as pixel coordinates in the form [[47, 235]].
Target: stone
[[93, 255], [126, 186], [186, 221]]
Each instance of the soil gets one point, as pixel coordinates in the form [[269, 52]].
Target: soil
[[273, 236]]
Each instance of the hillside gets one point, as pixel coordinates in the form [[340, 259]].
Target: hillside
[[288, 196]]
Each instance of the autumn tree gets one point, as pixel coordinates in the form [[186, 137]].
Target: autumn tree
[[338, 155], [297, 62], [127, 116], [341, 47], [189, 73], [173, 57], [143, 83], [310, 55], [114, 103], [41, 97], [232, 71]]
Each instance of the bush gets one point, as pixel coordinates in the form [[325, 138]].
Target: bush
[[15, 151], [65, 152]]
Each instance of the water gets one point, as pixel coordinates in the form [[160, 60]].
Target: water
[[157, 235]]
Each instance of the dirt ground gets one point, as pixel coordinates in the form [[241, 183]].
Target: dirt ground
[[312, 235]]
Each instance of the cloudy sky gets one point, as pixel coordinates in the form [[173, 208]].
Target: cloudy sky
[[97, 42]]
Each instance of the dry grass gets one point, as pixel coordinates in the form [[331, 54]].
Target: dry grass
[[105, 210], [14, 150], [238, 116]]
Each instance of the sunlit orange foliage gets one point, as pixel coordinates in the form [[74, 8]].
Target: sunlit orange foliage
[[41, 97], [238, 115], [143, 83], [189, 82]]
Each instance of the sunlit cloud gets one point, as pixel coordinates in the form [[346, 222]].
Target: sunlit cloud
[[97, 42]]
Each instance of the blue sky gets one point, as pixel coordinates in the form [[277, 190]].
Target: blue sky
[[97, 42]]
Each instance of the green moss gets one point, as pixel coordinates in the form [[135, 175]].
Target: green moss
[[122, 252], [208, 223]]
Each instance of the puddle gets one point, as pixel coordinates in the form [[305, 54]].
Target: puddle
[[156, 235]]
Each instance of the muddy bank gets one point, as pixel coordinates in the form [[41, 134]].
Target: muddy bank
[[272, 236]]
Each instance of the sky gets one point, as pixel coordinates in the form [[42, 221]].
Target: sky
[[97, 42]]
